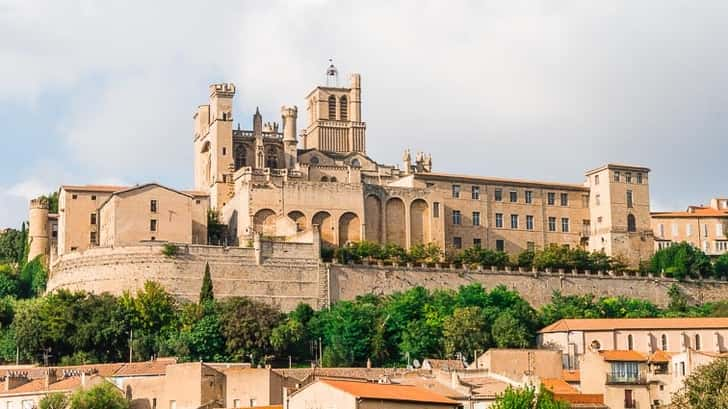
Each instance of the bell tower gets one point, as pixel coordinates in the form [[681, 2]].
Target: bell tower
[[334, 116]]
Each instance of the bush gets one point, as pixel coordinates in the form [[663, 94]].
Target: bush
[[682, 260], [54, 401], [480, 256], [170, 249], [102, 396], [721, 265]]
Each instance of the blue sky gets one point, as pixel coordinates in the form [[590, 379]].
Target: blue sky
[[103, 92]]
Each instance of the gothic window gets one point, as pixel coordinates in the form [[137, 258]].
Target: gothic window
[[314, 160], [271, 158], [332, 107], [631, 223], [343, 108], [241, 156]]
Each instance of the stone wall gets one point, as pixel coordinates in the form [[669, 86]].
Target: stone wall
[[289, 273], [286, 276], [348, 281]]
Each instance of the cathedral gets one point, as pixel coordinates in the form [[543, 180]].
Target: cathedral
[[278, 182]]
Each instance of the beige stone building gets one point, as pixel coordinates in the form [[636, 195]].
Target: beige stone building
[[273, 181], [705, 227]]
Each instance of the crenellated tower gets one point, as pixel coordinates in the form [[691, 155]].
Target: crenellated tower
[[334, 116], [289, 115], [38, 234]]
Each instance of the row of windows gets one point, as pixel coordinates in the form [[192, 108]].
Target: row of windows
[[629, 199], [513, 195], [617, 177], [675, 228], [515, 221], [500, 245], [697, 344], [343, 108]]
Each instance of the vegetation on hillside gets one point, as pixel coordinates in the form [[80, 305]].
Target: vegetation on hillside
[[706, 388]]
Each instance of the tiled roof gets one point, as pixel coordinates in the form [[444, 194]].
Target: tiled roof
[[445, 364], [156, 367], [558, 386], [693, 211], [432, 384], [371, 374], [571, 375], [93, 188], [407, 393], [660, 356], [583, 398], [626, 356], [486, 386], [610, 324]]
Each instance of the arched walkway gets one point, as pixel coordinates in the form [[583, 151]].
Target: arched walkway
[[299, 218], [396, 222], [419, 222], [373, 217], [349, 228], [323, 219], [264, 222]]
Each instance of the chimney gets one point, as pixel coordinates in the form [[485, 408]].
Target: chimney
[[13, 379]]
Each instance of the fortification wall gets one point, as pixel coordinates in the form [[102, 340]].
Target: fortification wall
[[286, 276], [348, 281]]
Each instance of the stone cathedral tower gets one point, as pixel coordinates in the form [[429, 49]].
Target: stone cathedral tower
[[334, 116]]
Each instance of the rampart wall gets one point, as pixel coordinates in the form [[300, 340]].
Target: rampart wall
[[286, 274]]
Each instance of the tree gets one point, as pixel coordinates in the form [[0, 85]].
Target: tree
[[706, 388], [678, 301], [527, 398], [102, 396], [206, 292], [465, 331], [681, 260], [508, 332], [12, 246], [54, 401], [247, 326], [721, 265]]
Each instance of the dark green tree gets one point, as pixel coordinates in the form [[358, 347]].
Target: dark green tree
[[681, 260], [465, 331], [706, 388], [206, 292], [508, 332], [102, 396], [247, 326], [56, 400], [527, 398]]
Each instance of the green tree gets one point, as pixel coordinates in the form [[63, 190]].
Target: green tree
[[721, 265], [102, 396], [247, 326], [508, 332], [527, 398], [206, 292], [678, 303], [681, 260], [54, 401], [465, 331], [12, 246], [706, 388]]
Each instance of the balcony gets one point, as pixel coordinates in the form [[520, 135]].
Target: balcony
[[626, 379]]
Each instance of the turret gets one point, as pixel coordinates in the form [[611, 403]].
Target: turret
[[38, 229], [290, 143]]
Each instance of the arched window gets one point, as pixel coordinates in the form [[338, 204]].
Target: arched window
[[333, 178], [324, 178], [241, 156], [271, 158], [332, 107], [314, 160], [697, 342], [630, 342], [355, 163], [631, 223], [343, 108], [663, 342]]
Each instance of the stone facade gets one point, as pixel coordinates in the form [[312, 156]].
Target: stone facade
[[705, 227]]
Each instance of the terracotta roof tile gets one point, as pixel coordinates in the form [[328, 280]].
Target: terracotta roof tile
[[558, 386], [499, 181], [371, 374], [693, 211], [610, 324], [571, 375], [592, 398], [486, 386], [366, 390], [660, 356], [445, 364], [433, 385], [627, 356], [93, 188]]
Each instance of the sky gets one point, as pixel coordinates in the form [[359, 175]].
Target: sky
[[104, 91]]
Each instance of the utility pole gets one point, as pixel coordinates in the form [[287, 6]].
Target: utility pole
[[321, 353], [131, 344]]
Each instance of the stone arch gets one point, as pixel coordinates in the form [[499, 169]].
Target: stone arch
[[395, 216], [373, 218], [299, 218], [349, 228], [323, 219], [419, 222], [264, 222]]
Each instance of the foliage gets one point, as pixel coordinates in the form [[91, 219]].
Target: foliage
[[706, 388], [508, 332], [721, 265], [102, 396], [527, 398], [12, 246], [246, 326], [206, 292], [8, 282], [170, 249], [54, 401], [681, 260], [557, 256], [367, 250], [480, 256], [465, 330], [216, 231]]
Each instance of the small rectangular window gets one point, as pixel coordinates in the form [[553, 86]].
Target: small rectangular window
[[456, 191], [705, 230], [514, 196], [688, 229], [92, 238], [514, 221], [616, 176], [476, 218], [498, 195], [74, 197], [551, 198], [457, 242], [596, 179], [639, 178], [456, 218], [529, 222], [629, 199], [500, 245], [499, 220], [674, 229], [224, 151], [597, 200], [564, 199], [93, 218], [153, 206], [153, 225], [477, 242], [436, 209], [628, 177], [529, 196], [565, 224], [530, 246], [719, 230], [197, 201], [93, 197], [475, 193], [552, 224]]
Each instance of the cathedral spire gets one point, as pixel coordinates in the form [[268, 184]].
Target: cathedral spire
[[257, 123]]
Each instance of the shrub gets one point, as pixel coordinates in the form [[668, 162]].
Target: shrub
[[170, 249], [681, 260], [102, 396]]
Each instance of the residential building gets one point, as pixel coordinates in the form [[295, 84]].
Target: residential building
[[705, 227]]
